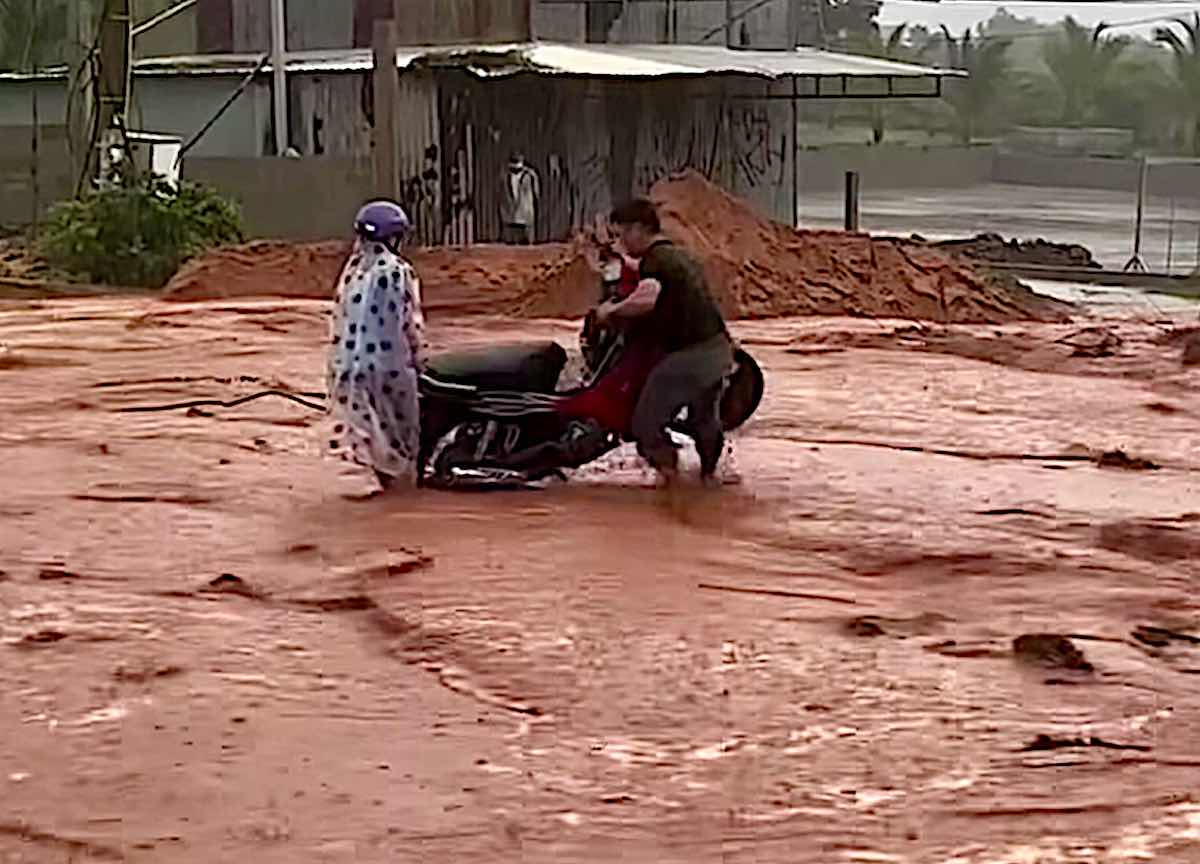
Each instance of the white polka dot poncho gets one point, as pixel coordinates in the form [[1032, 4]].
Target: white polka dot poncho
[[376, 355]]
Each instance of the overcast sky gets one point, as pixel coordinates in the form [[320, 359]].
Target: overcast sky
[[958, 15]]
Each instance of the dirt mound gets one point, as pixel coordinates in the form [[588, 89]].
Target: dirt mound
[[761, 268], [476, 280], [758, 269], [265, 267], [996, 250]]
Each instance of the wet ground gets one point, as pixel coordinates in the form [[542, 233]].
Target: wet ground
[[1101, 220], [213, 651]]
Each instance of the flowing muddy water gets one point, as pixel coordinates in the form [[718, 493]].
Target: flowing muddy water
[[214, 648]]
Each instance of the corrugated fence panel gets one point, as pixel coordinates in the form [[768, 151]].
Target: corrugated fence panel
[[420, 154], [331, 117], [760, 149], [683, 127], [561, 128], [586, 162], [458, 140]]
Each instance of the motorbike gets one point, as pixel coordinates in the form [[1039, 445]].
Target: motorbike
[[495, 418]]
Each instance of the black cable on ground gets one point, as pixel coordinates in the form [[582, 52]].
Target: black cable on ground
[[298, 398]]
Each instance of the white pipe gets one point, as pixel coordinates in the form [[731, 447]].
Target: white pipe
[[166, 15], [279, 75]]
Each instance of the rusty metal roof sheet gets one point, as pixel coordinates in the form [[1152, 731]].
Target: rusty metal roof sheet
[[553, 58]]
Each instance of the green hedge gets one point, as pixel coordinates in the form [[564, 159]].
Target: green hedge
[[139, 231]]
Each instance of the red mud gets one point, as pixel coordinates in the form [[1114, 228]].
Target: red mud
[[758, 269], [207, 654]]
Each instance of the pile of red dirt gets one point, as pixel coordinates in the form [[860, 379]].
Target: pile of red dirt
[[479, 279], [757, 268], [263, 268], [760, 268]]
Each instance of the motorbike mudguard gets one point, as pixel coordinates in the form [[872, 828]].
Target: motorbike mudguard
[[743, 391]]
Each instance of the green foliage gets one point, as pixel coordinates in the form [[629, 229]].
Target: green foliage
[[1082, 65], [1183, 38], [1029, 74], [1133, 97], [871, 44], [988, 69], [138, 231]]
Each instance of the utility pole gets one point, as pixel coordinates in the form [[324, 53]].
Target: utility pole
[[35, 180], [279, 75], [387, 90], [115, 50], [81, 61]]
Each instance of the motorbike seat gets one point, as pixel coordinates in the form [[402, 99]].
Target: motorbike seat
[[531, 367]]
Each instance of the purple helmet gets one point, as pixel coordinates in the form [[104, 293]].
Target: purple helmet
[[382, 221]]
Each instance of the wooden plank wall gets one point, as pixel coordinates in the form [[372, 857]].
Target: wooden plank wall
[[594, 142]]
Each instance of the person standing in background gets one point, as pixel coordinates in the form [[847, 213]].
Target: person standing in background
[[522, 189]]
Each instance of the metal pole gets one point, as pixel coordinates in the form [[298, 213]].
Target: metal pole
[[795, 155], [279, 75], [1136, 262], [728, 23], [33, 163], [852, 201], [1171, 235], [115, 49]]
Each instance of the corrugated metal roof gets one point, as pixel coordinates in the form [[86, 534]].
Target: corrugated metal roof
[[552, 58]]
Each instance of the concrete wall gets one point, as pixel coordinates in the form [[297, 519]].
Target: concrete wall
[[301, 199], [16, 103], [178, 106], [54, 180], [559, 22], [885, 167], [182, 106], [1179, 180], [177, 35], [694, 21], [173, 37]]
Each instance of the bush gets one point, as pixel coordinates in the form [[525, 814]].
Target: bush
[[138, 231]]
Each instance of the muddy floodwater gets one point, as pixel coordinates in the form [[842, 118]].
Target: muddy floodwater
[[933, 615], [1103, 220]]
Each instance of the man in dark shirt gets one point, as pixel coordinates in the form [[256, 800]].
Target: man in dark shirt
[[673, 308]]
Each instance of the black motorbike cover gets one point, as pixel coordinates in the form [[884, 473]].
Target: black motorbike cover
[[524, 367]]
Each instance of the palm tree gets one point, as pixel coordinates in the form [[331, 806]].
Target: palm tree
[[1081, 63], [871, 45], [892, 49], [986, 62], [1186, 51], [24, 25]]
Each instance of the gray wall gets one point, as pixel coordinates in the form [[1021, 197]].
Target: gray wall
[[16, 103], [182, 105], [558, 22], [1179, 180], [54, 180], [765, 25], [824, 170], [301, 199], [177, 106]]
